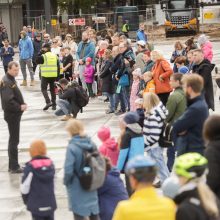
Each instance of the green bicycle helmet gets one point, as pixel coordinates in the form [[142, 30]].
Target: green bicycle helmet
[[190, 165]]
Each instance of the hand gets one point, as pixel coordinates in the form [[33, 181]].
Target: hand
[[126, 61], [182, 133], [161, 79], [81, 61], [116, 78], [23, 107]]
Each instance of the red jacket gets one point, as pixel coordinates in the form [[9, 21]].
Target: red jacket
[[162, 68]]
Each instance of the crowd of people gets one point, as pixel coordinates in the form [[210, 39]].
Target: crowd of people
[[160, 107]]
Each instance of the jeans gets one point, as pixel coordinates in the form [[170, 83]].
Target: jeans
[[89, 88], [64, 107], [13, 121], [120, 97], [29, 64], [92, 217], [157, 155], [171, 154], [111, 100], [82, 78], [44, 85]]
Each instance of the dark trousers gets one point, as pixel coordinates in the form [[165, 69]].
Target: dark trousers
[[6, 68], [89, 87], [34, 65], [128, 185], [164, 97], [44, 84], [92, 217], [35, 217], [171, 154], [13, 121]]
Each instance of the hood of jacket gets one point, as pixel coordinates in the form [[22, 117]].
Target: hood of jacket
[[136, 128], [111, 144], [160, 110], [43, 168], [207, 46], [205, 62], [84, 143]]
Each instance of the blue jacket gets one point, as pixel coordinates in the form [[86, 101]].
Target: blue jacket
[[26, 48], [192, 122], [88, 51], [132, 144], [7, 58], [112, 192], [81, 202], [37, 186], [141, 36]]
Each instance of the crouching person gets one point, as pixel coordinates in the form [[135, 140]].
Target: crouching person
[[37, 185], [67, 100]]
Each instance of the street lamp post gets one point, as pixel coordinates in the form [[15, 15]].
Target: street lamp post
[[47, 7]]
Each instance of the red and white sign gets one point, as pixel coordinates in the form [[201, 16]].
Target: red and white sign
[[77, 22]]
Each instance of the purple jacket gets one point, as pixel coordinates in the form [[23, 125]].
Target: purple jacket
[[89, 74]]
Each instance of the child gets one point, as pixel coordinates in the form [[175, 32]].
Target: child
[[150, 85], [140, 111], [135, 87], [89, 76], [67, 64], [37, 185], [7, 53], [109, 147], [111, 193], [180, 64]]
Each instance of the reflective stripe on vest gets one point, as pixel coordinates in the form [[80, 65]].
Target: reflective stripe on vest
[[49, 68]]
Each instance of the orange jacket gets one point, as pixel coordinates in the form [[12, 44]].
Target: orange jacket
[[150, 87], [162, 68]]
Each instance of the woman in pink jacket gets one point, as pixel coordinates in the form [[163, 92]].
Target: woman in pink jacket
[[206, 47], [89, 76]]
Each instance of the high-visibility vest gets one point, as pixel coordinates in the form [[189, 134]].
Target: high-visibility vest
[[125, 28], [49, 67]]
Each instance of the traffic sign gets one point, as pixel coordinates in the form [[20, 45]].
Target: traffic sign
[[53, 22], [77, 22]]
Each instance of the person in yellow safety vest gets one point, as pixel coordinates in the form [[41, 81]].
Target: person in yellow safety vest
[[145, 203], [125, 28], [50, 70]]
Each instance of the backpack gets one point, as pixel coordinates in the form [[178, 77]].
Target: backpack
[[82, 96], [92, 170], [165, 140]]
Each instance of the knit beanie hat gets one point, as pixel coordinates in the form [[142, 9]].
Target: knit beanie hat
[[89, 59], [183, 69], [131, 118], [104, 133], [202, 39]]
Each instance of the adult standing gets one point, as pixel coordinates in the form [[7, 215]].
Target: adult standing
[[47, 39], [141, 34], [86, 48], [125, 28], [139, 62], [37, 43], [50, 69], [206, 47], [13, 106], [69, 42], [161, 74], [204, 68], [187, 130], [26, 53], [81, 202]]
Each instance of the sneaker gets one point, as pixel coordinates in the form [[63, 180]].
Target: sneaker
[[32, 83], [109, 112], [66, 118], [24, 83], [17, 171], [47, 106], [157, 184], [106, 100], [119, 113], [54, 107]]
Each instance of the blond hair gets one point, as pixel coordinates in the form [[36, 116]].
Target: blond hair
[[148, 73], [38, 148], [151, 100], [75, 127], [157, 54]]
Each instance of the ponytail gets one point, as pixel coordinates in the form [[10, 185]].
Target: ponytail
[[208, 200]]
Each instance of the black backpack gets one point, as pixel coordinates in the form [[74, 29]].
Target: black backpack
[[82, 96], [92, 170], [165, 140]]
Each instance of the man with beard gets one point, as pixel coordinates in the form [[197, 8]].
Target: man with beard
[[86, 49], [187, 130], [204, 68]]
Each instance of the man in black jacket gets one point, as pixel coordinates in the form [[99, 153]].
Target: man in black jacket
[[37, 43], [204, 68], [67, 100], [13, 106]]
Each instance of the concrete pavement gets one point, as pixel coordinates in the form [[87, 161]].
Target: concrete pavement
[[44, 125]]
